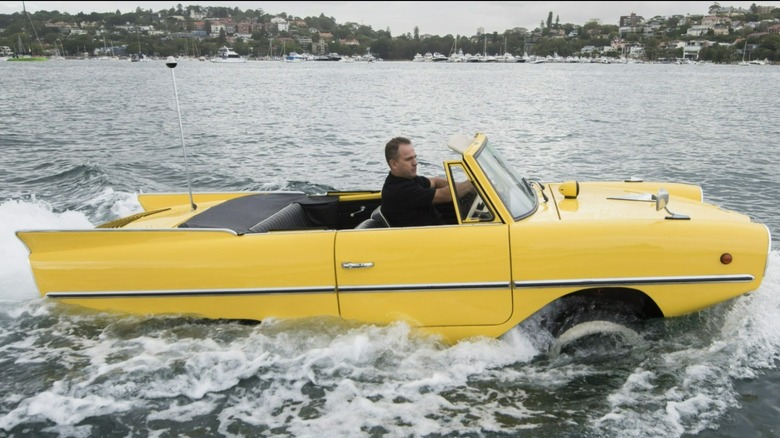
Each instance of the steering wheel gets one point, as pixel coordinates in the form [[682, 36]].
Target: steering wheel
[[467, 204], [477, 208]]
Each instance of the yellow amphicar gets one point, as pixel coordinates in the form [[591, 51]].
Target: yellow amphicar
[[617, 251]]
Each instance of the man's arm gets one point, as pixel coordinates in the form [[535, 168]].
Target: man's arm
[[438, 183], [442, 194]]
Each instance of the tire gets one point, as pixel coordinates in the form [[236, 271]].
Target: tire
[[595, 336], [594, 325]]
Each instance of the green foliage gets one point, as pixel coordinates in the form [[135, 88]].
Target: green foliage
[[718, 54], [542, 41]]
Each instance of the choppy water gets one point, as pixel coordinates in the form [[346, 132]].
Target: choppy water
[[80, 139]]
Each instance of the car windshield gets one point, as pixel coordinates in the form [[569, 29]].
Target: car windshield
[[514, 192]]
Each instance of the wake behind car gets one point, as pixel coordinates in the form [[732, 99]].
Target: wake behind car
[[614, 251]]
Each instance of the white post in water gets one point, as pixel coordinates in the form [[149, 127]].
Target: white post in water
[[171, 63]]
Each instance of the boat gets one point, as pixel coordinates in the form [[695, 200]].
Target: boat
[[138, 57], [578, 251], [507, 56], [457, 57], [59, 50], [368, 57], [329, 57], [21, 54], [744, 63], [294, 57], [485, 57], [438, 57], [227, 55]]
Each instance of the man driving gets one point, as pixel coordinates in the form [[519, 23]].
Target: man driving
[[408, 199]]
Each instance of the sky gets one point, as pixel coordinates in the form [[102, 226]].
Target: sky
[[436, 18]]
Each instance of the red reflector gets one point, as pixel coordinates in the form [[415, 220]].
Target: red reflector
[[726, 258]]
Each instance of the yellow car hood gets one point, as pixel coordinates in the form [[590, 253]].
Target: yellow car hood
[[629, 200]]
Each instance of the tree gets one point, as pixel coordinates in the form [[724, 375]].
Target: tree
[[714, 8], [416, 33], [549, 20]]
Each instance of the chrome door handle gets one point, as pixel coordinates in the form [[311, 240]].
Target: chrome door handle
[[350, 265]]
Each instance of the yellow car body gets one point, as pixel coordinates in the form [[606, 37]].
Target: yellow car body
[[515, 249]]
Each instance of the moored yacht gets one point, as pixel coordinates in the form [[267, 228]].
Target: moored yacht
[[438, 57], [457, 57], [226, 54], [294, 57]]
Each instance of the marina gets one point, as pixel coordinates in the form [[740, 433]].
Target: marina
[[83, 155]]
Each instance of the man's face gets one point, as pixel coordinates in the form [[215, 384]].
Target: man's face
[[406, 164]]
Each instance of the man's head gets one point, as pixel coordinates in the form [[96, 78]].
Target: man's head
[[401, 157]]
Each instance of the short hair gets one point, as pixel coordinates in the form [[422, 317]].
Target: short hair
[[391, 148]]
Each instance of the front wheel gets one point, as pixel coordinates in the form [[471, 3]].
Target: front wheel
[[596, 323], [595, 336]]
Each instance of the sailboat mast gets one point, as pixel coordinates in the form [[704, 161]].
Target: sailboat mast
[[24, 8]]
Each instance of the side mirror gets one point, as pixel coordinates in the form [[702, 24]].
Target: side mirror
[[661, 199]]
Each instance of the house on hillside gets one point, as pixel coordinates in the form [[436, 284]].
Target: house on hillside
[[281, 24]]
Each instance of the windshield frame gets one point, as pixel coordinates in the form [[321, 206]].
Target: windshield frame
[[514, 191]]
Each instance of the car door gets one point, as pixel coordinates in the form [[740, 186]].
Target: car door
[[427, 276]]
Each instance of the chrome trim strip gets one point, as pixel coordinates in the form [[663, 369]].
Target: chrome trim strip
[[424, 287], [737, 278], [190, 293], [414, 287], [133, 230]]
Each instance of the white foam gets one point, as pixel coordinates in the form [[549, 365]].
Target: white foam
[[16, 281], [330, 378], [752, 327], [110, 204], [747, 343], [185, 412], [62, 409]]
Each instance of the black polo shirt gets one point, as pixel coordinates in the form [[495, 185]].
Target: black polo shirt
[[409, 202]]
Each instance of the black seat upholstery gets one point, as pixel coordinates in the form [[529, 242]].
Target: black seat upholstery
[[291, 217], [379, 217], [368, 223], [377, 220]]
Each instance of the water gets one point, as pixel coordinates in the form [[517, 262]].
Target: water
[[81, 139]]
